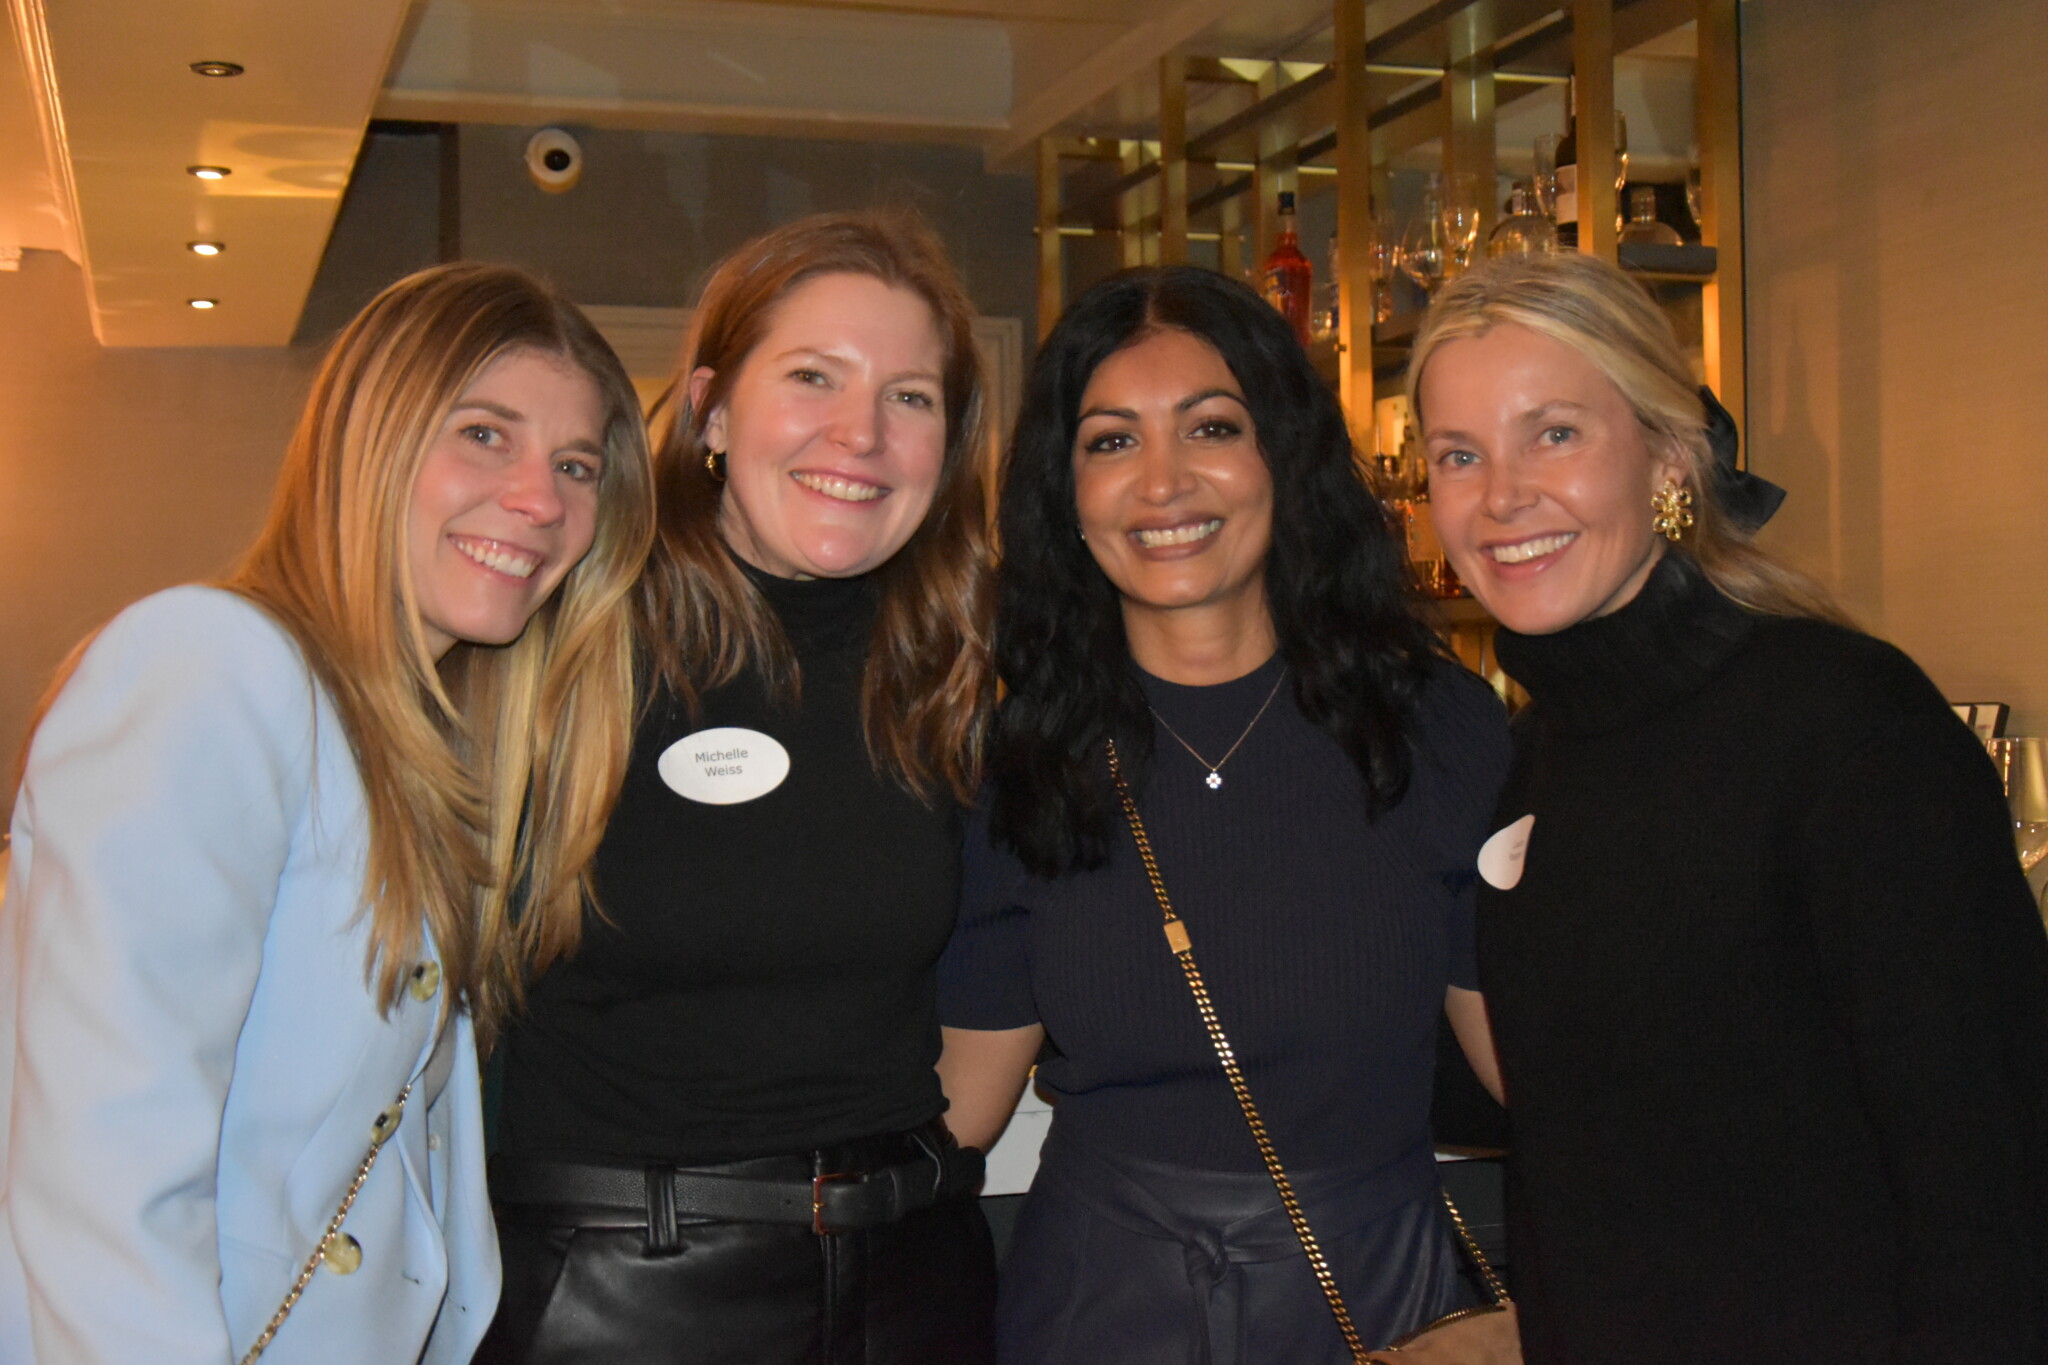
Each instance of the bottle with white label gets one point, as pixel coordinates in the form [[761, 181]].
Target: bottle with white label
[[1568, 171]]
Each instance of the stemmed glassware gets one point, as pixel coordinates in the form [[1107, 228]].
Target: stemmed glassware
[[1425, 250], [1695, 202], [2023, 767], [1543, 181], [1460, 213], [1382, 260]]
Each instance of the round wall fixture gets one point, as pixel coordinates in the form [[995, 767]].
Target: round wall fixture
[[203, 304], [217, 69], [209, 172], [206, 248], [554, 160]]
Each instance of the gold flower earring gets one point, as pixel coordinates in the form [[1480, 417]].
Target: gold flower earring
[[1673, 507]]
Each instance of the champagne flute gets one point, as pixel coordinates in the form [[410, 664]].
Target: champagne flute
[[1382, 261], [1695, 196], [1544, 179]]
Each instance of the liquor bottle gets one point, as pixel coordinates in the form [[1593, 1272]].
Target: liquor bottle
[[1642, 220], [1425, 547], [1290, 281], [1568, 171], [1525, 231]]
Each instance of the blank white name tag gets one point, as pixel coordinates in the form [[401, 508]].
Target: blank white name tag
[[1501, 857], [723, 767]]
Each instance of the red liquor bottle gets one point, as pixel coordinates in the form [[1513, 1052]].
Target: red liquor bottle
[[1289, 278]]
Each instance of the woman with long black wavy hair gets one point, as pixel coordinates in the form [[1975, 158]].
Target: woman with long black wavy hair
[[1194, 572]]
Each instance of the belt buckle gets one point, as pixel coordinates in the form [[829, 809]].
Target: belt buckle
[[818, 1184]]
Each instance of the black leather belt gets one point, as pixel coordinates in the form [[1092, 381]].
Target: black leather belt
[[657, 1197]]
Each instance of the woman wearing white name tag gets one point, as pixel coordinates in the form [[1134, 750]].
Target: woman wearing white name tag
[[266, 847], [1770, 994], [720, 1134]]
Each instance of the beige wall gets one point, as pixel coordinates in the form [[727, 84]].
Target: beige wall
[[1898, 302], [121, 472]]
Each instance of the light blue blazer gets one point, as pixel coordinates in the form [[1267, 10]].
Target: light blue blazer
[[191, 1058]]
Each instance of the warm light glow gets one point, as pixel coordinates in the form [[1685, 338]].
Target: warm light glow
[[203, 304], [216, 68], [209, 172], [205, 248]]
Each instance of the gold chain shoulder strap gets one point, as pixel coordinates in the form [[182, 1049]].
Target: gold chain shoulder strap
[[1183, 951], [312, 1267]]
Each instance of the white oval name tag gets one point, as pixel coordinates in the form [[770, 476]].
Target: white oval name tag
[[1501, 857], [724, 766]]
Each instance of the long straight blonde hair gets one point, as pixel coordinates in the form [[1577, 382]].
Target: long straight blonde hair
[[1592, 307], [929, 683], [489, 775]]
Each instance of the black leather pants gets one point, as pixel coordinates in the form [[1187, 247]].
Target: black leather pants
[[916, 1291]]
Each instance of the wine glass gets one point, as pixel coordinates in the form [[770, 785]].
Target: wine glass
[[1424, 257], [1425, 254], [1460, 215], [2023, 767]]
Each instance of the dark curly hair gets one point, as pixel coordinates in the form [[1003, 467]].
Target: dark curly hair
[[1350, 630]]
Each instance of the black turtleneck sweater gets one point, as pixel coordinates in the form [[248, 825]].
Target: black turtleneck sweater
[[1771, 1000], [761, 980]]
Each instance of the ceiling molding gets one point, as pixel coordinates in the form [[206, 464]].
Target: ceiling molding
[[706, 64], [38, 73]]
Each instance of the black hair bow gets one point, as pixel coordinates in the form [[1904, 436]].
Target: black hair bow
[[1742, 497]]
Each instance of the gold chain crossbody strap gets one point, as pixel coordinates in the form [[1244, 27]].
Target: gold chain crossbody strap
[[1183, 951], [291, 1299]]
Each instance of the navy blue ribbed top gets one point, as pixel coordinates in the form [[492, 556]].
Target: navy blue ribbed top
[[1327, 939]]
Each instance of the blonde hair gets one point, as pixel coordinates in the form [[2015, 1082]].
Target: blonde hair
[[1592, 307], [491, 773], [928, 685]]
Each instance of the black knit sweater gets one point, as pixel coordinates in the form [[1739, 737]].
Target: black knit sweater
[[761, 978], [1771, 1000]]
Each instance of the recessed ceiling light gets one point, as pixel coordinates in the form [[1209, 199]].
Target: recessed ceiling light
[[203, 304], [216, 68], [206, 248], [209, 172]]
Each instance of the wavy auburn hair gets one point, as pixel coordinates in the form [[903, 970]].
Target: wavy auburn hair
[[1356, 646], [926, 691], [490, 773], [1591, 306]]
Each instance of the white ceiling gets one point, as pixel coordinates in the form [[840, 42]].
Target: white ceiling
[[100, 116]]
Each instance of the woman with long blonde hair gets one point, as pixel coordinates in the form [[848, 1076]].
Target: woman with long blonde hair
[[720, 1137], [1769, 992], [266, 846]]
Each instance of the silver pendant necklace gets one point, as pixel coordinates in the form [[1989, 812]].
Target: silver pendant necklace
[[1214, 781]]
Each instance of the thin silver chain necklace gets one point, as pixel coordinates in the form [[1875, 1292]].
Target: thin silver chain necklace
[[1214, 781]]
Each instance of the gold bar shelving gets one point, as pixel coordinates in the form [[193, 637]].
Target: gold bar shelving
[[1436, 76]]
